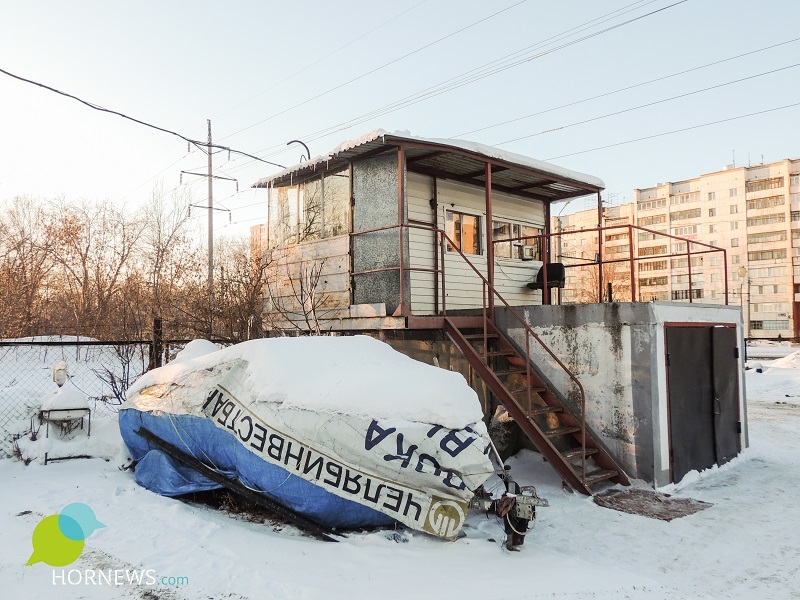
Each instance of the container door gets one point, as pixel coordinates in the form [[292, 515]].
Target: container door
[[727, 422], [690, 400]]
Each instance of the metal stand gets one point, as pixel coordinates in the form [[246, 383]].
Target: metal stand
[[62, 415]]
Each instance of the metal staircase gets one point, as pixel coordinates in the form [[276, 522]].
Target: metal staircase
[[561, 436]]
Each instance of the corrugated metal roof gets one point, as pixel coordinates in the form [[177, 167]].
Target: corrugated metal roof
[[451, 159]]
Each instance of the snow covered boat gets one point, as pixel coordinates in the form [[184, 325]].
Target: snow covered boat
[[343, 430]]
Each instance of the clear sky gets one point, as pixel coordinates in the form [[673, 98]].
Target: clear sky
[[266, 73]]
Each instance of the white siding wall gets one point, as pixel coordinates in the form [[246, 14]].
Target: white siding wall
[[463, 287], [421, 244], [332, 292]]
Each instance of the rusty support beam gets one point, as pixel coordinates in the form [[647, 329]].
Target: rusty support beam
[[489, 238], [479, 182], [579, 185], [633, 263], [482, 171], [414, 159], [546, 256], [401, 192], [599, 248], [435, 239]]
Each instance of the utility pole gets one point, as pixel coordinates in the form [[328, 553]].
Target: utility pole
[[208, 148], [210, 236]]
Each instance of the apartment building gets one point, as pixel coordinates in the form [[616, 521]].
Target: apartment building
[[753, 213], [578, 247]]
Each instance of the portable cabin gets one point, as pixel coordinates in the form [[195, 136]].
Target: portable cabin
[[442, 248]]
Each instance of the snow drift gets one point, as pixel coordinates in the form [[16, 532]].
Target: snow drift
[[343, 430]]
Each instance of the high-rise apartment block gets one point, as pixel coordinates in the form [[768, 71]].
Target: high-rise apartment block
[[753, 213]]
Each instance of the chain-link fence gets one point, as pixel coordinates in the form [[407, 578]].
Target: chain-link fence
[[102, 371]]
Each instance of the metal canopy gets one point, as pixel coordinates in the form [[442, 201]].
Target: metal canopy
[[450, 159]]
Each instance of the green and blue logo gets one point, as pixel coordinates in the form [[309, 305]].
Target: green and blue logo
[[58, 540]]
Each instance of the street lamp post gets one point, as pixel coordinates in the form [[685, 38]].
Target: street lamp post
[[743, 275]]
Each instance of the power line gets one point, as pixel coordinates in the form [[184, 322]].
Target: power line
[[261, 203], [376, 69], [663, 100], [460, 79], [201, 145], [630, 87], [485, 70], [162, 171], [319, 60], [482, 72], [650, 137]]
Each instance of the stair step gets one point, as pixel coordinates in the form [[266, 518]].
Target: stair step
[[544, 411], [576, 453], [598, 476], [480, 336], [511, 372], [571, 462], [524, 391], [561, 431], [501, 353]]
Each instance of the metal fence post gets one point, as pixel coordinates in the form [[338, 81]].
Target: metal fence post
[[156, 348]]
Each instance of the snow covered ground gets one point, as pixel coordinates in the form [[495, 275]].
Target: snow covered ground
[[747, 545], [26, 377]]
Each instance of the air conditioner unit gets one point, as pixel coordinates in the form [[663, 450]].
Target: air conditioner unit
[[528, 252]]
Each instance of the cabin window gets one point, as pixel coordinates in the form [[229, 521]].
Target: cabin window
[[282, 216], [464, 230], [336, 209], [520, 245], [312, 210]]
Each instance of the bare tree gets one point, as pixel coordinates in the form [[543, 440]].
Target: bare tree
[[586, 278], [240, 288], [93, 245], [296, 301], [26, 264], [90, 268], [169, 247]]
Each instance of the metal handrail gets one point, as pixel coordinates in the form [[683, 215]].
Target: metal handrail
[[487, 289], [529, 333], [544, 237]]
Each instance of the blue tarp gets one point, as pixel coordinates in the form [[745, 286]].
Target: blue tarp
[[199, 437]]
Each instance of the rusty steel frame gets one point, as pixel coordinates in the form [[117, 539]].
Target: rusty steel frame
[[440, 274], [544, 445], [488, 291], [599, 260], [489, 232], [401, 218], [548, 178], [546, 238], [435, 209]]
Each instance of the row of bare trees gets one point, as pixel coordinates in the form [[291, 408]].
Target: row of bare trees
[[95, 269]]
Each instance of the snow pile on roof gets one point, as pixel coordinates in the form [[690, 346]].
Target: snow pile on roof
[[483, 149], [514, 158], [344, 375]]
